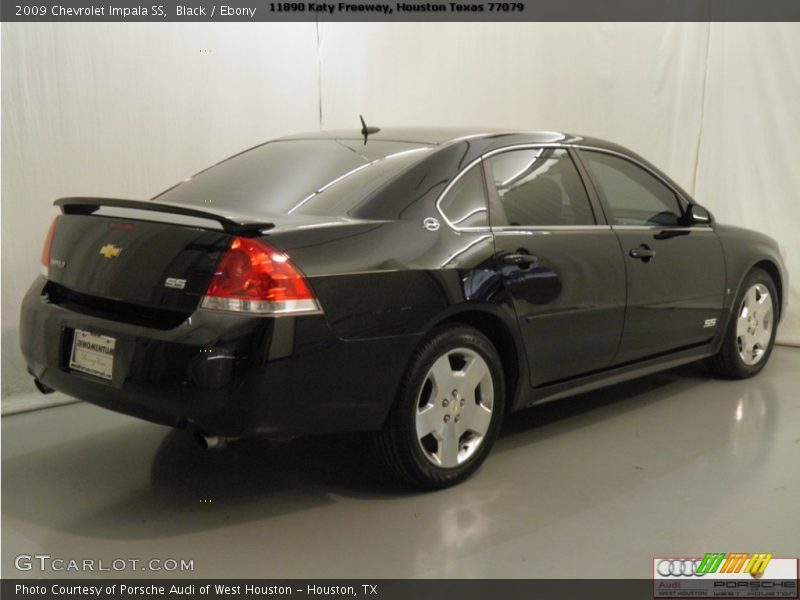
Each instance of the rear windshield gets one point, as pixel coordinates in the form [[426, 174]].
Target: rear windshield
[[320, 177]]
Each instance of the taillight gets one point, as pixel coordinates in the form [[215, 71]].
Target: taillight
[[255, 278], [47, 247]]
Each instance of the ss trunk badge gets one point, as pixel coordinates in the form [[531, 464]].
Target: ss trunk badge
[[110, 251], [175, 283]]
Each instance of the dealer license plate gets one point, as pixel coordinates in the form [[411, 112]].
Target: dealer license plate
[[92, 354]]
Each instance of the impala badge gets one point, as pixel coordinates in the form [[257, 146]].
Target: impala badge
[[430, 224], [110, 251], [709, 323]]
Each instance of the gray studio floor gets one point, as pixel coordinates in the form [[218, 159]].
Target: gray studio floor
[[676, 464]]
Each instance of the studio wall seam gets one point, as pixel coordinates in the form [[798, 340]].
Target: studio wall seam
[[703, 98]]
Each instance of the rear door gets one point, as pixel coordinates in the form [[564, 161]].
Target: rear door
[[560, 261], [675, 274]]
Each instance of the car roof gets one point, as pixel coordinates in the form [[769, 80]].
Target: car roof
[[312, 162], [430, 136], [434, 136]]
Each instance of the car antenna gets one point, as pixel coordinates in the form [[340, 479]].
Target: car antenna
[[365, 131]]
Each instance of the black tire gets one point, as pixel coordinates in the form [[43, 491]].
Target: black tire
[[728, 363], [402, 454]]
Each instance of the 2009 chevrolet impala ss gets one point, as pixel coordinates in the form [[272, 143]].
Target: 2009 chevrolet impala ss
[[415, 283]]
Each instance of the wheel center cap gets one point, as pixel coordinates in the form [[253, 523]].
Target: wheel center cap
[[455, 402]]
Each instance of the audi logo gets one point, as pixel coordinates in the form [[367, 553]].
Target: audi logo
[[679, 567]]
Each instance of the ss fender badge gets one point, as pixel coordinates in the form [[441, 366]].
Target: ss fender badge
[[709, 323], [175, 283]]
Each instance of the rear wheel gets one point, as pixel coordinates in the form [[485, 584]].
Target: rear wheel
[[447, 412], [751, 332]]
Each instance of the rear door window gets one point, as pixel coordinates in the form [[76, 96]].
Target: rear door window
[[538, 187]]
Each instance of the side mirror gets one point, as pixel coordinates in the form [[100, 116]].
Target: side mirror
[[697, 215]]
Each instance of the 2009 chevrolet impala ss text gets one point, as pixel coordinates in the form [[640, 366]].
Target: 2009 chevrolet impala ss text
[[417, 284]]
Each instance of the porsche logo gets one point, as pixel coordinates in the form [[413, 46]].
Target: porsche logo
[[110, 251]]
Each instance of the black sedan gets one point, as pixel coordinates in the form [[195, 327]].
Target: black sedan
[[414, 283]]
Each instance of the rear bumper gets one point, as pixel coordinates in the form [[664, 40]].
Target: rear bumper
[[225, 374]]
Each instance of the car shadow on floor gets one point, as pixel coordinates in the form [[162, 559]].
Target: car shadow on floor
[[131, 482], [606, 402]]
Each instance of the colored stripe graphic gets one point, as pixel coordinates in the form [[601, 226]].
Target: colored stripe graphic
[[758, 563], [733, 563], [710, 562]]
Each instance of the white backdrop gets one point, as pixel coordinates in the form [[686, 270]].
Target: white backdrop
[[749, 167], [128, 109]]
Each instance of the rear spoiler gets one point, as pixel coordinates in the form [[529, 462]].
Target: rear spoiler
[[87, 206]]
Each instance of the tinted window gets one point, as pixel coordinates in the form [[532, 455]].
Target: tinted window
[[634, 196], [347, 192], [278, 176], [465, 203], [539, 187]]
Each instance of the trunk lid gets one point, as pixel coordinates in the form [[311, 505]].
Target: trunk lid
[[147, 263], [146, 254]]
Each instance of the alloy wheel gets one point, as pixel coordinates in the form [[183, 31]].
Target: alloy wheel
[[454, 407], [754, 324]]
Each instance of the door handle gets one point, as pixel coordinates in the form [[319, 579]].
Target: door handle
[[643, 253], [520, 259]]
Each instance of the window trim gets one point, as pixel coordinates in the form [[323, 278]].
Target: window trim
[[477, 163], [686, 228], [453, 182], [586, 178]]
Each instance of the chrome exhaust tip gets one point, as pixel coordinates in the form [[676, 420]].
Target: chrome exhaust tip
[[205, 440], [211, 442]]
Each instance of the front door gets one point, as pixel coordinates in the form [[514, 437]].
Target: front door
[[675, 274]]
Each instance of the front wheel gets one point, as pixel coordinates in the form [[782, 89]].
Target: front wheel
[[750, 335], [447, 412]]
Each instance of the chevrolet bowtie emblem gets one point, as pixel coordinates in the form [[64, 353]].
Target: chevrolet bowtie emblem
[[110, 251]]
